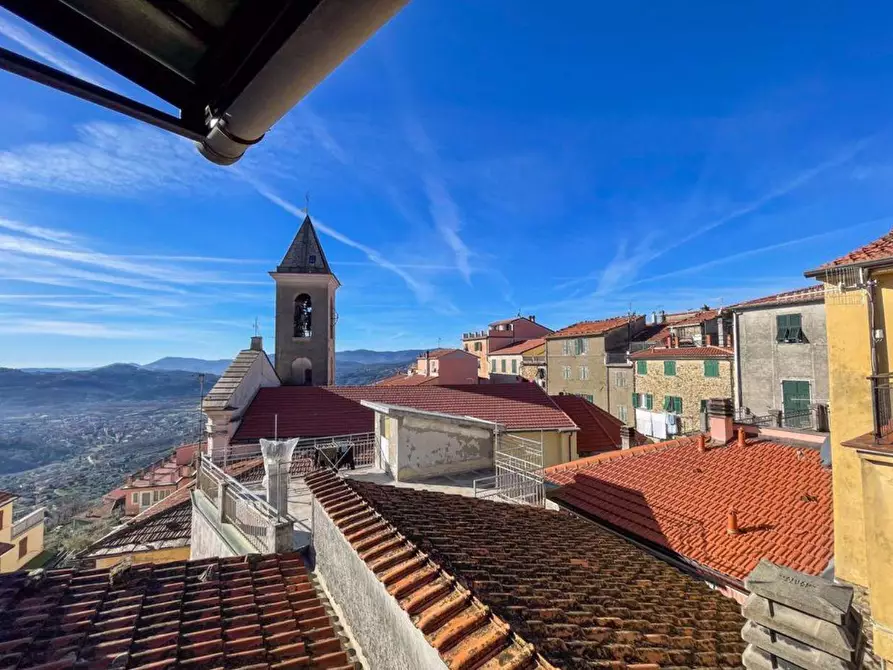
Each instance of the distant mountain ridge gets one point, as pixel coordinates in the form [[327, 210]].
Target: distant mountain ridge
[[370, 356], [214, 367]]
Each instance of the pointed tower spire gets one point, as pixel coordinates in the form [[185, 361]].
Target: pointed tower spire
[[305, 255]]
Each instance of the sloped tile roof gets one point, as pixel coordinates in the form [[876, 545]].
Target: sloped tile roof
[[165, 525], [580, 595], [877, 250], [815, 293], [683, 352], [311, 411], [439, 353], [673, 496], [519, 347], [219, 395], [599, 430], [245, 611], [696, 319], [591, 327], [403, 379], [5, 497]]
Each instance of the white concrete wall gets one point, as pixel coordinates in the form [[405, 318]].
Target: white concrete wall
[[428, 447], [384, 632]]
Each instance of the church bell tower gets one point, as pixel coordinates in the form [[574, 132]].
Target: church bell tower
[[305, 312]]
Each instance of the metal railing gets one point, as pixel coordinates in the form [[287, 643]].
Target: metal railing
[[533, 360], [28, 522], [519, 470], [882, 404], [354, 450], [616, 358], [253, 516]]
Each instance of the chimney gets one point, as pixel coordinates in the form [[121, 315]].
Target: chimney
[[669, 341], [626, 437], [742, 437], [257, 343], [674, 340], [653, 317], [710, 341], [732, 528], [532, 317], [662, 315], [427, 363], [728, 340], [702, 443], [719, 416]]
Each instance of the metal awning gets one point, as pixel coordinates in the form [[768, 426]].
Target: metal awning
[[231, 67]]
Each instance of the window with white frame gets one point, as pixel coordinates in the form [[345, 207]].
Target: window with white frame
[[621, 413], [619, 380], [584, 372], [565, 347], [566, 371]]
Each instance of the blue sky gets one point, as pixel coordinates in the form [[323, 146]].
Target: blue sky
[[473, 160]]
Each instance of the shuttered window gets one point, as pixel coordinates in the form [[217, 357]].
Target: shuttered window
[[673, 404], [789, 328], [711, 368], [635, 400], [642, 367], [670, 368], [649, 401]]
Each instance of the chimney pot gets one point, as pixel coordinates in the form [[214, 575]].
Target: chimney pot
[[709, 339], [742, 436], [702, 443], [532, 317], [257, 343], [720, 415], [733, 528], [626, 437]]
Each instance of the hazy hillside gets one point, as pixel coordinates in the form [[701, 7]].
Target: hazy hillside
[[190, 365], [56, 391], [369, 356]]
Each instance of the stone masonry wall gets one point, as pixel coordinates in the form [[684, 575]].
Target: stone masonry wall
[[689, 383]]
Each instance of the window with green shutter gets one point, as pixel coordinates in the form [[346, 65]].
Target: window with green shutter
[[789, 328], [711, 368], [703, 406], [673, 403], [649, 401], [670, 368], [642, 367], [578, 346], [502, 365], [635, 399], [514, 366], [677, 405]]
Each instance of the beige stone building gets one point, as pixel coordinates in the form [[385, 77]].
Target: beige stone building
[[672, 386], [525, 359], [499, 335], [576, 356]]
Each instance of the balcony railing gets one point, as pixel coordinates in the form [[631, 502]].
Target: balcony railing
[[28, 522], [253, 516], [882, 404], [616, 358], [533, 360]]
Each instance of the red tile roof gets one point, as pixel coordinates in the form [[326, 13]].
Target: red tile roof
[[674, 496], [6, 497], [440, 353], [403, 379], [519, 347], [245, 611], [683, 352], [815, 293], [879, 250], [308, 411], [591, 327], [468, 575], [599, 430]]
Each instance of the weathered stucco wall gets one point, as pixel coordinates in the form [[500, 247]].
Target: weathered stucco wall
[[877, 480], [558, 447], [428, 447], [689, 383], [594, 360], [385, 633], [765, 363], [849, 365], [11, 561], [621, 381]]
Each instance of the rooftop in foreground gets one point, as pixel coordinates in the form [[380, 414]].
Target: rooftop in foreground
[[476, 584], [677, 498]]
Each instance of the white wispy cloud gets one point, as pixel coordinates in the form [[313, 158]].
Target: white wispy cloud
[[43, 51], [40, 232], [423, 291]]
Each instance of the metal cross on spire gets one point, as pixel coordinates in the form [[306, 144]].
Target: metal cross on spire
[[307, 203], [256, 328]]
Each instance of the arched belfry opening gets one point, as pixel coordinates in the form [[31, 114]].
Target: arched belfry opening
[[301, 372], [303, 316]]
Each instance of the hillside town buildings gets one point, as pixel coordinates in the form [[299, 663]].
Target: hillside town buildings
[[501, 334]]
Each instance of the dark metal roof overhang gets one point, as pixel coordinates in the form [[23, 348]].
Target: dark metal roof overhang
[[232, 68]]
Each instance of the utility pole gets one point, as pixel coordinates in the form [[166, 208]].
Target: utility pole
[[201, 416]]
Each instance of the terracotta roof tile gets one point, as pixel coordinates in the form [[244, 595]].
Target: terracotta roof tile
[[815, 293], [683, 352], [599, 430], [5, 497], [255, 611], [578, 596], [440, 353], [403, 379], [698, 318], [877, 250], [312, 411], [679, 498], [519, 347], [591, 327]]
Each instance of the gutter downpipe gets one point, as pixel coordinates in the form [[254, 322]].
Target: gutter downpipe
[[870, 284], [737, 360]]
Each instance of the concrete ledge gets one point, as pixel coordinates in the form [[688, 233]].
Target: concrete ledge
[[210, 538], [792, 650], [837, 640], [755, 658]]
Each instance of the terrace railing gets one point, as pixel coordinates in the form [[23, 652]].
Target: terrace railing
[[28, 522], [882, 404]]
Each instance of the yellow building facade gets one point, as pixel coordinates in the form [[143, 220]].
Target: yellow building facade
[[22, 540], [859, 312]]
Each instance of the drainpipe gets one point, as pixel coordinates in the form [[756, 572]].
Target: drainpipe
[[869, 289], [737, 360]]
